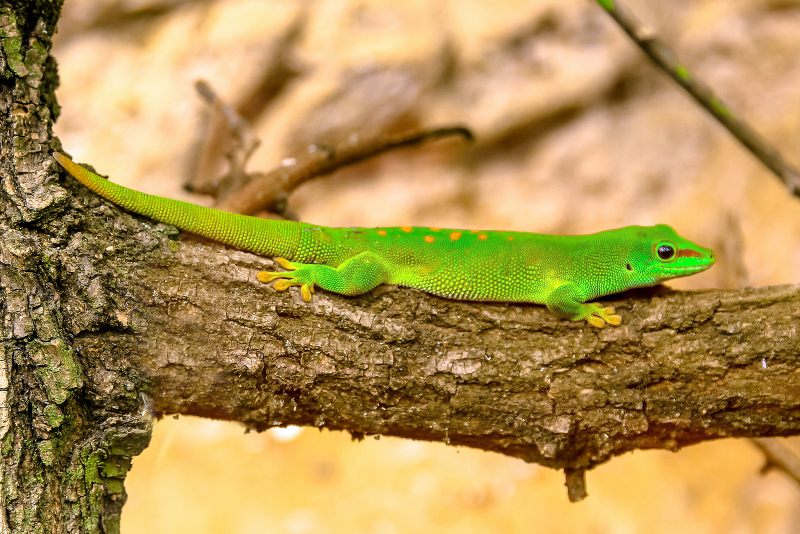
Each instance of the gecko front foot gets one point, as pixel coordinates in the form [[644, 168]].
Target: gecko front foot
[[567, 301], [598, 315]]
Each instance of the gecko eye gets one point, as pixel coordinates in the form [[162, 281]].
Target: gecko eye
[[665, 252]]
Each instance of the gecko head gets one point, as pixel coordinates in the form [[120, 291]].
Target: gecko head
[[661, 254]]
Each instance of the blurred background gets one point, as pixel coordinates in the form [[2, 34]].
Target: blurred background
[[576, 132]]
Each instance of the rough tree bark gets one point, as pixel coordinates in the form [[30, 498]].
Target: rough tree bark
[[109, 319], [64, 444]]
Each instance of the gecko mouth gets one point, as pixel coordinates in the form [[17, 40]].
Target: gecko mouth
[[688, 269]]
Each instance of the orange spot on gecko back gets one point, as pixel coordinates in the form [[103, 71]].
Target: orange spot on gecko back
[[454, 236], [429, 239], [511, 238], [382, 232], [483, 237], [406, 229], [433, 228]]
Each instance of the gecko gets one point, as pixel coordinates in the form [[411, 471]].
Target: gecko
[[562, 272]]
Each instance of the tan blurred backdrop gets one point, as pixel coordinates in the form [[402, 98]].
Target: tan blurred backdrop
[[576, 133]]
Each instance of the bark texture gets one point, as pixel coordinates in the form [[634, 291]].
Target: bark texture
[[64, 447]]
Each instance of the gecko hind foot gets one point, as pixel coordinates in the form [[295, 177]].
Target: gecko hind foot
[[286, 279], [354, 276]]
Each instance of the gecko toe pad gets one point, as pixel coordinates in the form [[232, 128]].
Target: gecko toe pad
[[286, 264], [283, 284], [600, 316], [267, 277]]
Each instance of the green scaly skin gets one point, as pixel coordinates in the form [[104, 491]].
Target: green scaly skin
[[561, 272]]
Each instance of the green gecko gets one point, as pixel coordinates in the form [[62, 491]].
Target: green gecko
[[561, 272]]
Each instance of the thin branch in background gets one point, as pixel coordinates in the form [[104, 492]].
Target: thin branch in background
[[243, 142], [778, 456], [266, 191], [241, 192], [214, 141], [666, 59]]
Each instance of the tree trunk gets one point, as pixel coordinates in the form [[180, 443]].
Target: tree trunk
[[109, 320], [66, 445]]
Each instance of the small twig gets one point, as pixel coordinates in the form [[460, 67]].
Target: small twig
[[778, 456], [265, 191], [243, 140], [666, 59], [249, 193], [236, 122], [576, 484]]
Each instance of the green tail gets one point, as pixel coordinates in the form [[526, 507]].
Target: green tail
[[262, 236]]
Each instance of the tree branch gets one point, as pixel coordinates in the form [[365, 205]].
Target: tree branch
[[265, 191], [250, 193], [779, 456], [685, 367], [666, 59]]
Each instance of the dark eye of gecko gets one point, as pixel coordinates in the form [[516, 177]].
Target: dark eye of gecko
[[665, 252]]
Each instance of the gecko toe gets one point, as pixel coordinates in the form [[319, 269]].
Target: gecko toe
[[613, 320], [594, 320], [286, 264], [268, 276], [283, 284], [599, 316], [306, 290]]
